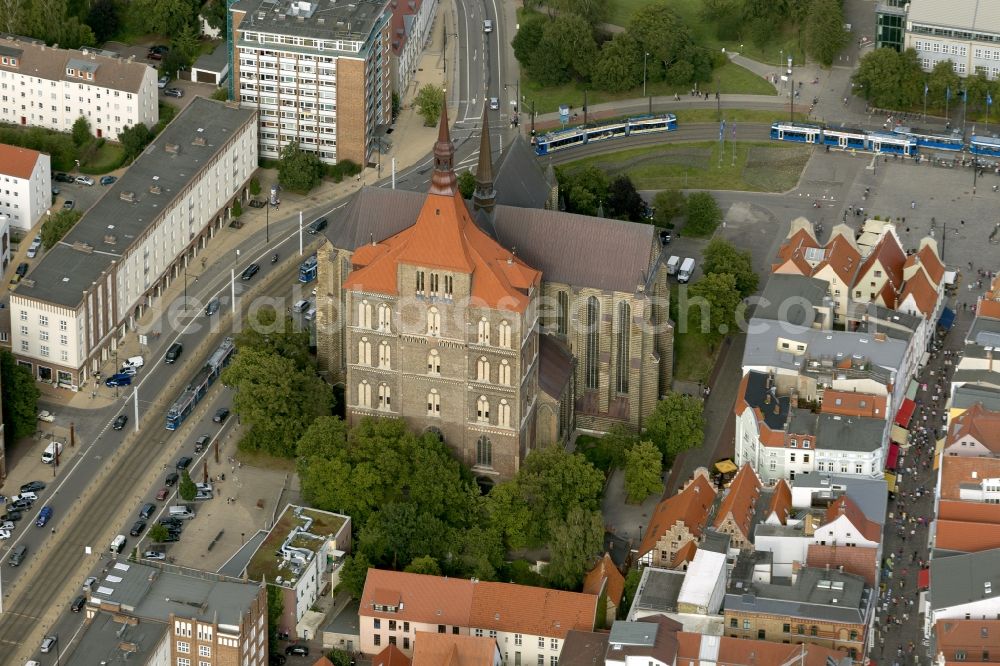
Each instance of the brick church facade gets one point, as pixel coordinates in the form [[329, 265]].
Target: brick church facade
[[502, 327]]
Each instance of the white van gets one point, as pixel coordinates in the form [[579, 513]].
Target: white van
[[686, 270], [51, 451], [118, 544], [311, 314], [672, 264], [134, 362], [182, 512]]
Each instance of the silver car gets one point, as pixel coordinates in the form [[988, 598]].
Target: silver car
[[48, 643], [84, 180]]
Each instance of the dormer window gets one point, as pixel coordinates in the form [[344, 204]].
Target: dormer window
[[386, 609], [70, 71]]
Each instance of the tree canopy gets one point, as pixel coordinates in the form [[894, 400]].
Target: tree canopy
[[134, 140], [824, 30], [299, 170], [58, 225], [676, 425], [643, 468], [892, 80], [703, 214], [429, 103], [721, 256], [723, 298], [20, 398]]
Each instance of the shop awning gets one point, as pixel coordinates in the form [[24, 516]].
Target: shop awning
[[924, 579], [905, 413], [947, 319], [890, 480], [899, 435], [938, 448], [893, 457], [726, 467], [911, 390]]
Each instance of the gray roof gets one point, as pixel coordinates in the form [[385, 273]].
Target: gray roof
[[716, 542], [237, 564], [812, 596], [792, 298], [769, 529], [869, 494], [961, 579], [757, 395], [555, 365], [891, 317], [658, 590], [103, 640], [762, 350], [976, 15], [980, 377], [520, 181], [984, 331], [216, 61], [46, 62], [113, 225], [351, 21], [967, 395], [802, 422], [583, 648], [849, 433]]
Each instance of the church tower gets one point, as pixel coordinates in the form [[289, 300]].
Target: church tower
[[485, 196]]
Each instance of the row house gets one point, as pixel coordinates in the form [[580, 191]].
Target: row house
[[411, 25], [606, 582], [977, 374], [975, 432], [963, 587], [678, 524], [25, 188], [966, 516], [958, 642], [735, 514]]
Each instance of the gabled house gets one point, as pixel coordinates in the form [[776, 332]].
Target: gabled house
[[607, 583], [735, 514], [800, 252], [677, 522], [432, 649], [847, 525], [880, 276], [976, 432], [964, 587], [960, 642], [780, 506]]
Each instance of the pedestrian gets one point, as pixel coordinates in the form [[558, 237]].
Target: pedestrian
[[913, 204]]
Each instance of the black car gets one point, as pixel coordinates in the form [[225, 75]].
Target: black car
[[170, 521], [32, 487], [147, 510], [297, 650], [137, 527], [221, 414], [665, 237], [184, 462], [61, 177], [21, 505], [249, 271], [22, 269], [201, 443], [171, 479], [212, 307], [120, 422], [317, 226], [12, 516], [172, 538], [78, 604], [276, 660]]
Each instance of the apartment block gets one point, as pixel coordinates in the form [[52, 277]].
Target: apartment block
[[412, 21], [964, 32], [76, 304], [25, 187], [317, 73], [44, 86]]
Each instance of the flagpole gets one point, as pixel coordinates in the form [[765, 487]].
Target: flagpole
[[965, 109], [925, 102], [947, 98]]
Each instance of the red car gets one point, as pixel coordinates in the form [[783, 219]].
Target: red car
[[162, 493]]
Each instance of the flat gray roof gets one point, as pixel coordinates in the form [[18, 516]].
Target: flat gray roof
[[351, 21], [113, 225], [871, 495], [981, 377], [969, 394], [792, 298], [658, 590], [817, 593], [849, 433], [102, 641], [215, 61], [237, 564], [975, 15], [962, 579]]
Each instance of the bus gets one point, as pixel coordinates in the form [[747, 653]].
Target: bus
[[196, 390], [307, 270]]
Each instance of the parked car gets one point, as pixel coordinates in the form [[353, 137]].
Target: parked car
[[89, 583], [120, 422], [173, 92], [78, 604], [32, 487], [137, 528], [154, 555], [318, 226], [257, 203], [48, 643], [184, 462], [201, 443], [69, 204], [44, 516], [162, 82], [61, 177], [297, 650], [127, 370], [157, 52], [665, 237], [22, 269], [48, 417], [12, 516], [20, 505], [33, 250], [118, 380], [162, 494], [109, 180], [203, 495], [171, 479], [84, 180], [221, 414], [212, 307], [300, 306], [147, 510], [249, 271], [172, 537]]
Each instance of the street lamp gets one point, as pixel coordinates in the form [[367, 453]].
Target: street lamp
[[644, 56], [791, 98]]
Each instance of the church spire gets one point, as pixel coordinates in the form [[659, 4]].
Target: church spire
[[443, 180], [485, 196]]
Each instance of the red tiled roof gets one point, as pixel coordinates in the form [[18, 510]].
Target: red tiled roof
[[684, 554], [956, 470], [848, 403], [16, 161], [605, 570], [845, 506], [449, 600], [743, 493], [966, 537], [690, 506], [923, 293], [433, 649], [858, 561], [890, 256], [781, 501], [390, 656], [842, 257], [928, 259], [397, 35], [531, 610], [752, 652], [792, 251], [973, 637], [977, 422], [973, 512]]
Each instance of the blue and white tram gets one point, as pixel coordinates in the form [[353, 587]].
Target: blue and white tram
[[196, 390], [846, 139], [929, 139], [558, 140], [800, 132], [602, 132], [985, 145], [642, 124], [884, 142]]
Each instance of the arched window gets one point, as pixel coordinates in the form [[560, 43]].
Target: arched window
[[484, 452], [384, 318], [433, 403], [364, 352], [624, 339], [434, 362], [384, 355], [483, 409], [433, 322], [593, 351], [562, 313], [504, 376], [364, 314], [503, 414], [365, 394], [483, 370], [384, 397], [504, 334], [484, 331]]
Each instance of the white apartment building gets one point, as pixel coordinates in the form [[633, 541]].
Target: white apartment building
[[967, 32], [25, 187], [411, 29], [317, 74], [4, 246], [75, 306], [42, 86]]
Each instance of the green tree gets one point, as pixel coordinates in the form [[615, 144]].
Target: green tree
[[608, 452], [186, 43], [49, 21], [624, 202], [215, 12], [57, 225], [632, 579], [466, 184], [134, 140], [267, 333], [104, 18], [890, 79], [20, 398], [254, 186], [187, 490], [643, 468], [299, 170], [568, 43], [721, 256], [424, 565], [719, 291], [943, 81], [353, 573], [164, 17], [660, 32], [275, 609], [528, 37], [668, 204], [703, 214], [429, 102], [676, 424], [594, 12], [619, 67], [339, 658], [574, 542], [237, 209], [824, 30], [585, 189], [978, 87], [81, 132], [396, 104], [158, 533]]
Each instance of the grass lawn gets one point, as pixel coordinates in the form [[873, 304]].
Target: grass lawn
[[731, 79], [694, 357], [760, 167], [733, 116]]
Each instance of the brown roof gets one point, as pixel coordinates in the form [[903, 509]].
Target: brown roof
[[842, 257], [52, 64], [977, 422], [17, 162], [793, 250], [397, 26], [433, 649], [890, 255], [605, 570], [928, 259], [684, 554], [845, 506], [531, 610], [446, 600], [923, 292], [323, 661], [848, 403], [690, 506], [555, 365], [966, 537], [389, 656], [858, 561], [740, 499], [752, 652], [973, 637], [781, 501], [956, 470]]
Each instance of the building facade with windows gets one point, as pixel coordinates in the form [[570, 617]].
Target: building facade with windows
[[69, 315], [43, 86], [966, 32], [317, 74], [25, 188]]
